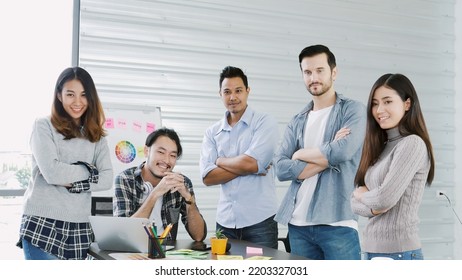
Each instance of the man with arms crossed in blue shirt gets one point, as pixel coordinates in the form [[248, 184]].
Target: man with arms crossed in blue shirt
[[320, 153], [237, 153]]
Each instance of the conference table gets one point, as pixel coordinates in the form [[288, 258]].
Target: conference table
[[238, 248]]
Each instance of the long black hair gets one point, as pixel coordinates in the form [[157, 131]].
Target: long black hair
[[412, 123]]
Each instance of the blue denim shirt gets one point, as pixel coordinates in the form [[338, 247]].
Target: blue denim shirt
[[245, 200], [331, 198]]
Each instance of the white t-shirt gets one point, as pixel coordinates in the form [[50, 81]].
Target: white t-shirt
[[155, 216], [314, 133], [313, 137]]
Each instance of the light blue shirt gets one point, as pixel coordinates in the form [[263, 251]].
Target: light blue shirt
[[245, 200], [331, 198]]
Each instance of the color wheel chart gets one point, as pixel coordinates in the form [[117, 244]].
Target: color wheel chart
[[125, 151], [127, 126]]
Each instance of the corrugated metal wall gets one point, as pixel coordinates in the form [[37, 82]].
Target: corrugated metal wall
[[169, 54], [458, 125]]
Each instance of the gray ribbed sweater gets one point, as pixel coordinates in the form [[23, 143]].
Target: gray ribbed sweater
[[395, 182], [52, 168]]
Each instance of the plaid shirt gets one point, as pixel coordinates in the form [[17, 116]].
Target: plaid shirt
[[129, 193], [66, 240], [83, 186]]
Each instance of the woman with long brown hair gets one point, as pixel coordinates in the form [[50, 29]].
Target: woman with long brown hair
[[396, 163], [70, 159]]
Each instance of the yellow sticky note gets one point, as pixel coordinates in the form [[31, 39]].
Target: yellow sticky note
[[229, 257], [259, 258]]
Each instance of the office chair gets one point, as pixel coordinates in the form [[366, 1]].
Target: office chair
[[101, 205], [285, 241]]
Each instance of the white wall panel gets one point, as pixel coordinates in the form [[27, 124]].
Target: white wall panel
[[170, 53], [458, 133]]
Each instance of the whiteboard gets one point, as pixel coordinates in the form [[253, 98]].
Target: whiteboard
[[127, 126]]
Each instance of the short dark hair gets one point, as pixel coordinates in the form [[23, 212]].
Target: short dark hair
[[311, 51], [170, 133], [233, 72]]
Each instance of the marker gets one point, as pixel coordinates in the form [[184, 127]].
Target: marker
[[154, 229], [147, 231]]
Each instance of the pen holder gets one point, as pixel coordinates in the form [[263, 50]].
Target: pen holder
[[156, 248]]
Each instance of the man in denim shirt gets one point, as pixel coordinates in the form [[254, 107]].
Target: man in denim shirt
[[320, 153], [237, 153]]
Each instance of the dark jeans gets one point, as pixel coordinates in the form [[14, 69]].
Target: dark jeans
[[264, 233], [323, 242]]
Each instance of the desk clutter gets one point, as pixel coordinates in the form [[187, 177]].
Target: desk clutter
[[157, 249], [183, 254], [196, 250], [180, 254], [199, 250]]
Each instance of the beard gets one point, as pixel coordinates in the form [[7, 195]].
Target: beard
[[324, 88], [155, 175], [151, 171]]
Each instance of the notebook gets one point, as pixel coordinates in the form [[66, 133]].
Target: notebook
[[120, 233]]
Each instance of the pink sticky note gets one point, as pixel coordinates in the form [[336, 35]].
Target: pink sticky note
[[121, 124], [137, 126], [150, 127], [109, 124], [254, 251]]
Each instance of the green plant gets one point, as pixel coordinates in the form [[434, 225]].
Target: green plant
[[23, 176], [219, 234]]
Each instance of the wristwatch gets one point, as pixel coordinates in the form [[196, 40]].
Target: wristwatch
[[192, 200]]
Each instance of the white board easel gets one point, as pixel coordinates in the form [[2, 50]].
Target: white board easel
[[127, 126]]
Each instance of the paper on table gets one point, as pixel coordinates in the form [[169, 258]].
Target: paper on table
[[134, 256], [129, 256], [186, 254], [229, 257]]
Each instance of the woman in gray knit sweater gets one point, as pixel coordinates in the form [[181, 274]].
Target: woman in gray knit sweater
[[396, 163], [70, 158]]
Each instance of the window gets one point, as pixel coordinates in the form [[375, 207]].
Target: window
[[36, 47]]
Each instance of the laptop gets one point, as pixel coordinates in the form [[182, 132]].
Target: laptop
[[120, 233]]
